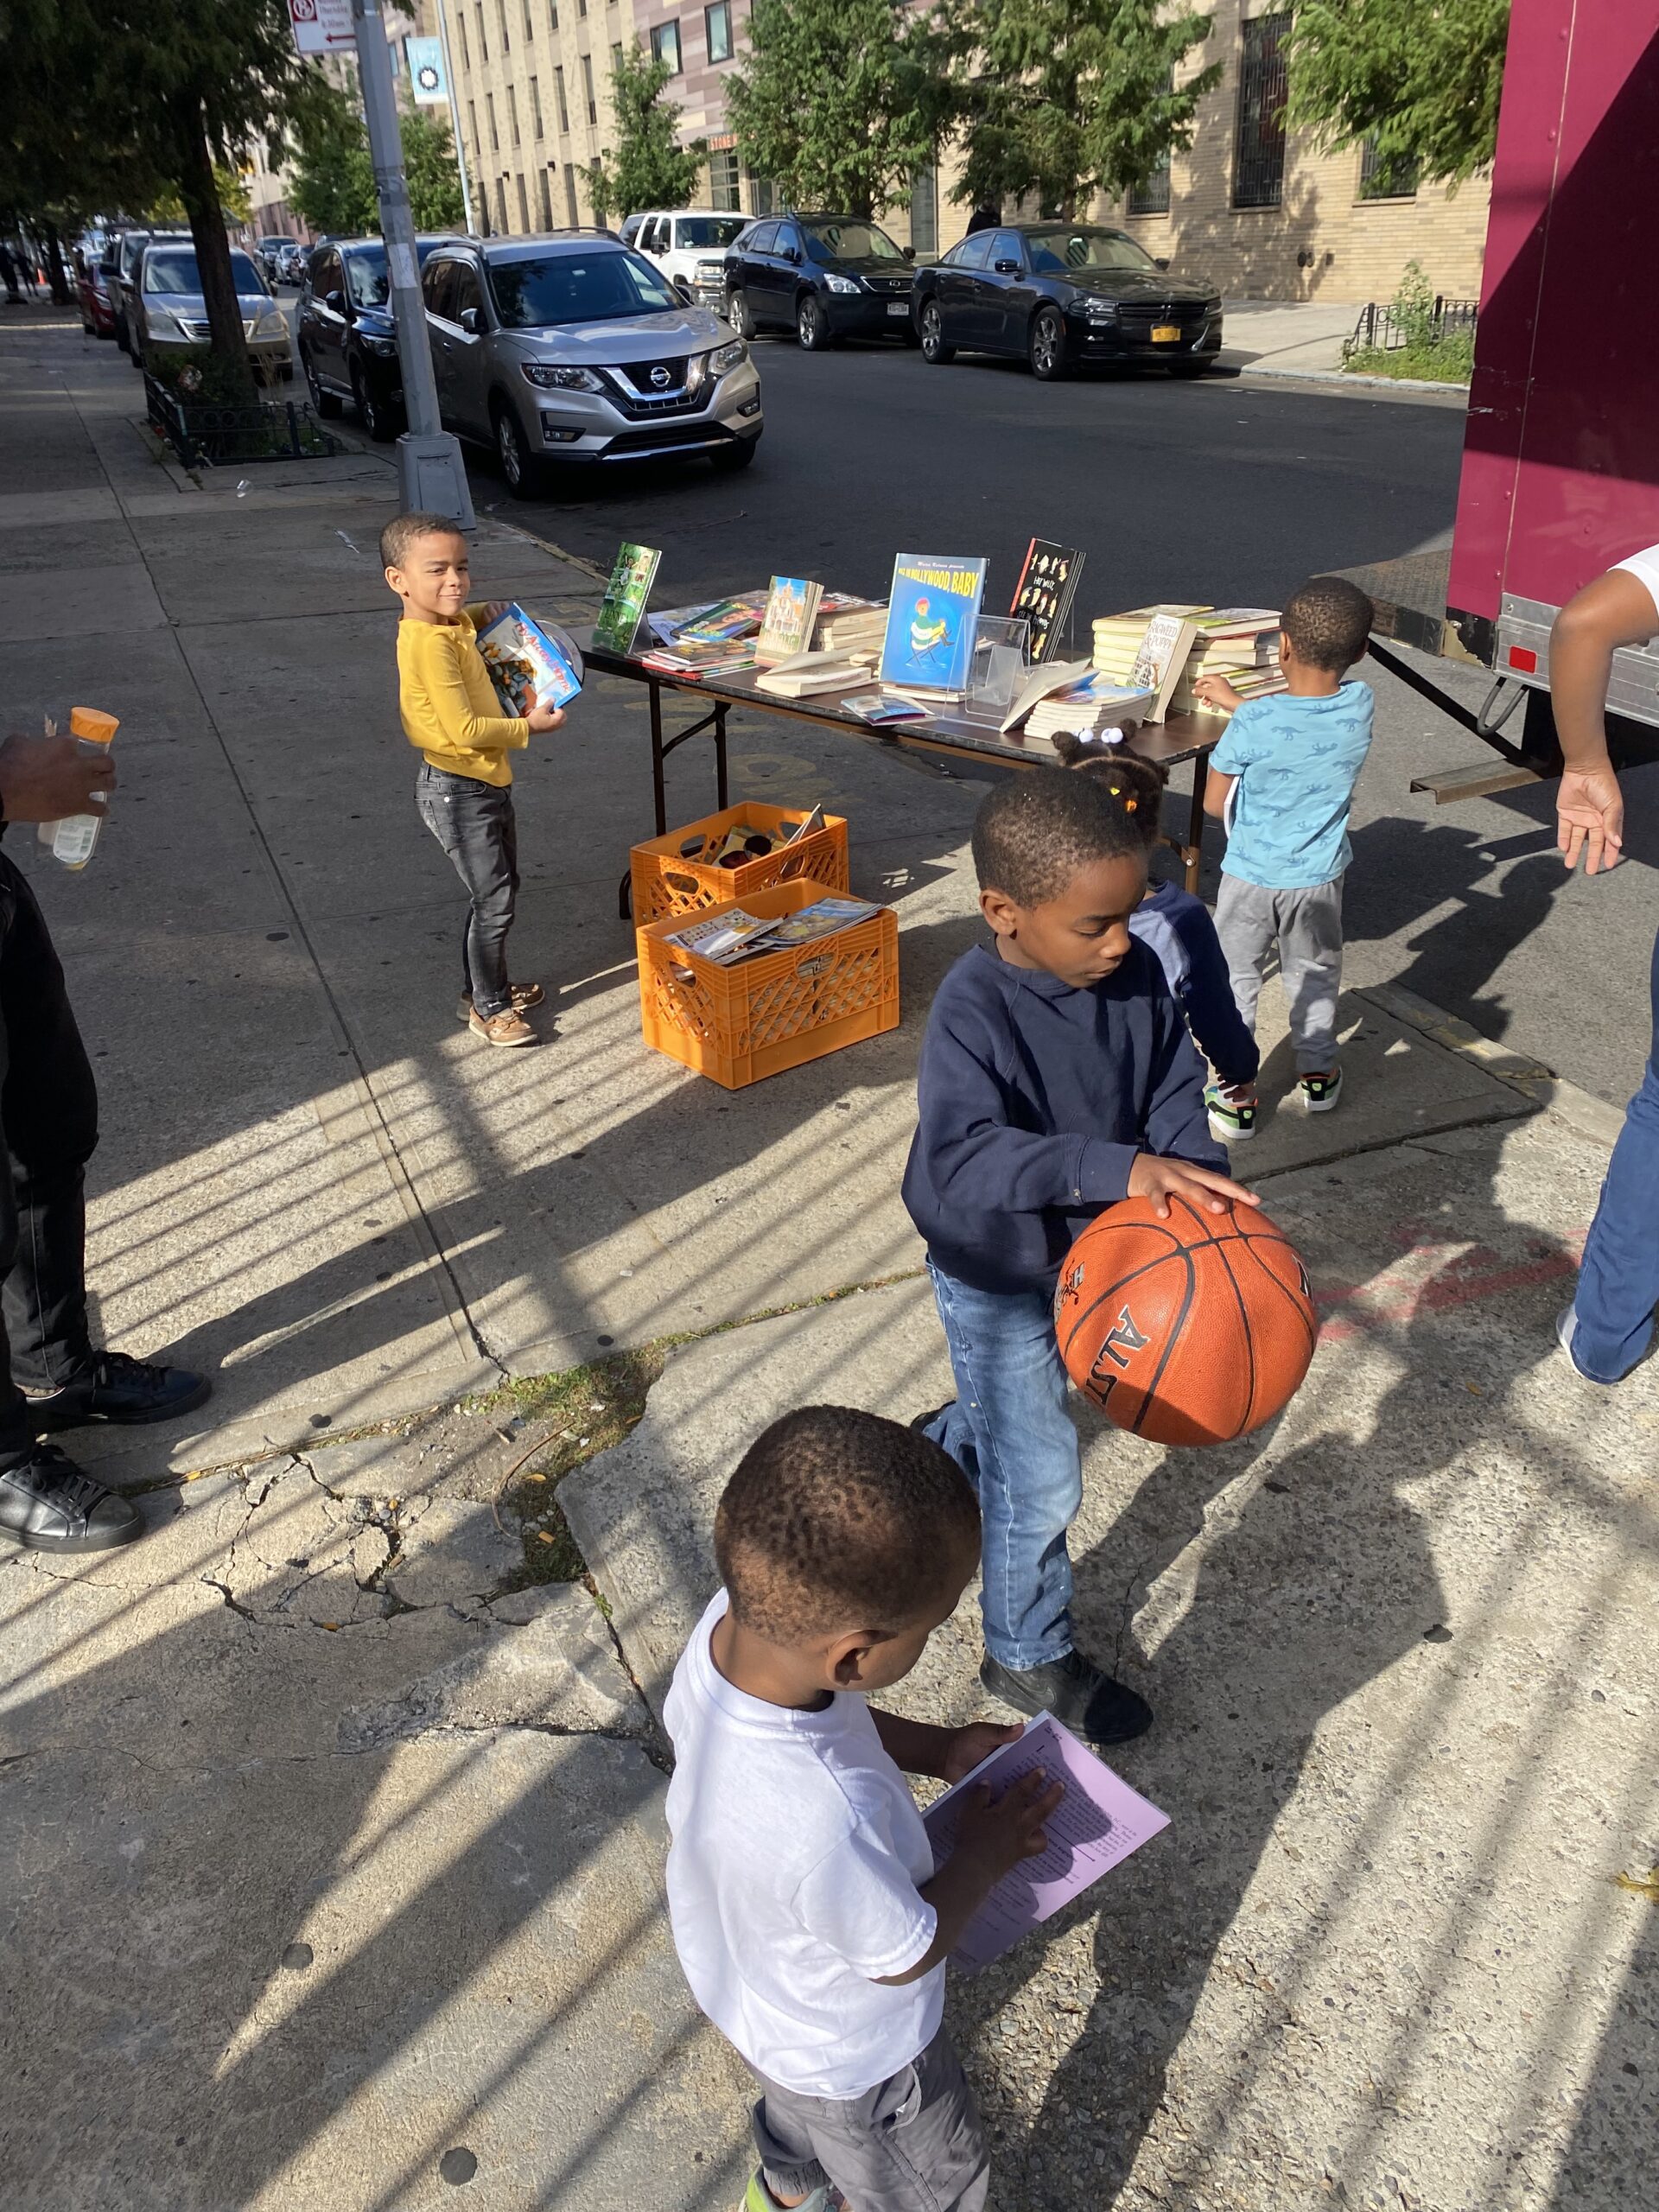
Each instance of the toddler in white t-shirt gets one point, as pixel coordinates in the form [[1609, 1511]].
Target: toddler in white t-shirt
[[809, 1919]]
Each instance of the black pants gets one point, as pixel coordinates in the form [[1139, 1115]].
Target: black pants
[[48, 1113], [474, 824]]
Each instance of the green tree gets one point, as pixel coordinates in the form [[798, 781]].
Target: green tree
[[333, 188], [839, 102], [1059, 99], [648, 166], [1423, 78]]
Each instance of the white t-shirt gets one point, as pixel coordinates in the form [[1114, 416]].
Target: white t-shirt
[[793, 1878], [1644, 567]]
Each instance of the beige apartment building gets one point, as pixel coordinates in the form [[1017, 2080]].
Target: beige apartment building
[[1260, 210]]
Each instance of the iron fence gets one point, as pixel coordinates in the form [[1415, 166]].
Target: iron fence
[[1382, 325], [204, 434]]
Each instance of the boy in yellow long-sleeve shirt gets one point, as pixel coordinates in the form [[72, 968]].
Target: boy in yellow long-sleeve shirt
[[464, 786]]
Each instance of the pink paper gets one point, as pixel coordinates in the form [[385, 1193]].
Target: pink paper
[[1098, 1823]]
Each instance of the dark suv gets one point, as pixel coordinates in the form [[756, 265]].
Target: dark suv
[[346, 337], [825, 277]]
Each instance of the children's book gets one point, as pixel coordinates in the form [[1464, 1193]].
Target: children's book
[[1094, 1826], [739, 617], [929, 643], [787, 626], [531, 664], [1057, 676], [823, 919], [806, 673], [1042, 596], [625, 597], [885, 708], [718, 938], [1161, 660]]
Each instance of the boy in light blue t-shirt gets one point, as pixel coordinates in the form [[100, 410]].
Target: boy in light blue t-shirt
[[1283, 778]]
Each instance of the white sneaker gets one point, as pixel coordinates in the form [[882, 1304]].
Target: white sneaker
[[1566, 1322]]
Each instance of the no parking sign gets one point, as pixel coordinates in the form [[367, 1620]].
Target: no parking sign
[[321, 26]]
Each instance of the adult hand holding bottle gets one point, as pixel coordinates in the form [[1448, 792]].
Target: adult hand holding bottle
[[46, 779]]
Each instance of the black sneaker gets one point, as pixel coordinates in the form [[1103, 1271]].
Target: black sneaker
[[1074, 1690], [116, 1388], [919, 1424], [49, 1505]]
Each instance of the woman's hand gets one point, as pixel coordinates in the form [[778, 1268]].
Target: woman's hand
[[1590, 818]]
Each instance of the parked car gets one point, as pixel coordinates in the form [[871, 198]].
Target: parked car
[[347, 338], [92, 290], [169, 310], [572, 347], [291, 263], [266, 251], [679, 240], [824, 276], [1060, 294], [128, 248]]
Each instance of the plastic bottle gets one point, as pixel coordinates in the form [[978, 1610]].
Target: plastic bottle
[[72, 838]]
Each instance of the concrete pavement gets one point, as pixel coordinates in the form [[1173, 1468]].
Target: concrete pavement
[[338, 1834]]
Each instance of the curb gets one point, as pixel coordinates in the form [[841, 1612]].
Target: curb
[[1414, 386], [1590, 1116]]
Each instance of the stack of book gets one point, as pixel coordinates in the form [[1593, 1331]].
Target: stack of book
[[849, 628], [1238, 644], [1094, 703], [1119, 638]]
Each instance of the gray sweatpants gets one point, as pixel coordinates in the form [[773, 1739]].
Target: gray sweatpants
[[1306, 926], [915, 2143]]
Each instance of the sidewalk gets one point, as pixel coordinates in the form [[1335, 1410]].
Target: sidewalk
[[336, 1828]]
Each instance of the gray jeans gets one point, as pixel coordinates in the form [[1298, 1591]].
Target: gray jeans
[[915, 2143], [1306, 926]]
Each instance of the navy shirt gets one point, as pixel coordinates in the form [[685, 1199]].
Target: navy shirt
[[1178, 928], [1035, 1099]]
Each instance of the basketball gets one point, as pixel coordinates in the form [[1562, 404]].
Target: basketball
[[1189, 1330]]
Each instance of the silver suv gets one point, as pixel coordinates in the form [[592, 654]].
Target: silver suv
[[572, 348]]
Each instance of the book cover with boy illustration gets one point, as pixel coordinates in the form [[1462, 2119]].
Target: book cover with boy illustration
[[530, 665], [625, 597], [929, 645]]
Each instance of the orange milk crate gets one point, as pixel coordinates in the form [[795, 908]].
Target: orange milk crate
[[778, 1010], [664, 881]]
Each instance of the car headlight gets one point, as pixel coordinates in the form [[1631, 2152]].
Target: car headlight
[[558, 378], [271, 324], [162, 323], [843, 284], [1100, 310], [727, 357], [709, 272], [385, 347]]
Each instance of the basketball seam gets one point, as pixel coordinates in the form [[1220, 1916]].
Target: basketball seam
[[1172, 1338], [1177, 1250], [1249, 1345], [1310, 1328]]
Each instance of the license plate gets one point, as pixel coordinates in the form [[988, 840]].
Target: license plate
[[898, 306], [1166, 333]]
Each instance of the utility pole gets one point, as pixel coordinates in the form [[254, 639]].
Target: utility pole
[[431, 475], [455, 120]]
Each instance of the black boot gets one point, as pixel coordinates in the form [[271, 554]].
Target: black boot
[[1088, 1700], [116, 1388], [48, 1504]]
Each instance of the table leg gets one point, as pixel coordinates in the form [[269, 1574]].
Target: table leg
[[657, 789], [721, 797], [1194, 852]]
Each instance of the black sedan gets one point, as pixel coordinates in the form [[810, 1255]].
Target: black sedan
[[824, 277], [346, 337], [1061, 293]]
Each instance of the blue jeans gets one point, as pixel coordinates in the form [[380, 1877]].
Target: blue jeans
[[1618, 1282], [1011, 1434], [473, 824]]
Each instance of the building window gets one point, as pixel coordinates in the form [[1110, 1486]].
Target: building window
[[564, 111], [1385, 176], [1150, 197], [489, 110], [616, 57], [723, 190], [582, 7], [553, 14], [501, 205], [501, 16], [588, 88], [665, 46], [925, 211], [571, 209], [1259, 138], [524, 205], [465, 51], [513, 111], [717, 23], [536, 105], [530, 27], [483, 36], [545, 197], [472, 130], [761, 194]]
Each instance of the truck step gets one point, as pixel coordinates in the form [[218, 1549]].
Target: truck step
[[1475, 783]]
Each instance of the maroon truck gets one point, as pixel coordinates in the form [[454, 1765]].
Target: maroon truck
[[1560, 456]]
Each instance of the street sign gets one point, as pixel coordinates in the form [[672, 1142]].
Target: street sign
[[321, 26], [427, 79]]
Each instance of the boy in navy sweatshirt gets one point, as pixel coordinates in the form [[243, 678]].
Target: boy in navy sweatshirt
[[1057, 1077]]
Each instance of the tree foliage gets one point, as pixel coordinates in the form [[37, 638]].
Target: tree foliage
[[1423, 78], [333, 176], [647, 167], [839, 102], [1058, 99]]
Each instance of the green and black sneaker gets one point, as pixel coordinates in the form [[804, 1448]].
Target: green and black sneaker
[[1232, 1108]]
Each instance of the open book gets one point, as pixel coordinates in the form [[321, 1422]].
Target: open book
[[1095, 1826]]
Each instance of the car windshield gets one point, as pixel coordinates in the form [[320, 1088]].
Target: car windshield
[[707, 230], [849, 241], [1053, 252], [174, 270], [536, 293], [366, 272]]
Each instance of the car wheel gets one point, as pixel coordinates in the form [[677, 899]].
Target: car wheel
[[121, 335], [374, 414], [1046, 347], [326, 403], [728, 459], [522, 473], [739, 314], [811, 324], [934, 348]]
